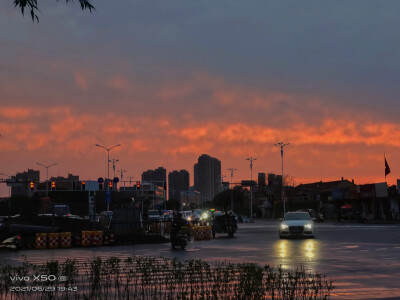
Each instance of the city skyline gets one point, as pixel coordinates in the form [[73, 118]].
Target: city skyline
[[171, 81]]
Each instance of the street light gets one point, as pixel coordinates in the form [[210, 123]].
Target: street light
[[282, 145], [232, 170], [122, 174], [114, 161], [251, 159], [108, 156], [47, 174], [130, 179]]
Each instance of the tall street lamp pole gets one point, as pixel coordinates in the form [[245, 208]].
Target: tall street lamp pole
[[108, 156], [232, 170], [114, 161], [251, 159], [47, 175], [122, 174], [130, 179], [282, 145]]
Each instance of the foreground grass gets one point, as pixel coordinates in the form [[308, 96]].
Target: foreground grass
[[151, 278]]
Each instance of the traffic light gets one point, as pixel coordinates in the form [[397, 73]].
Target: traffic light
[[83, 185], [110, 185], [137, 185], [53, 185], [32, 185]]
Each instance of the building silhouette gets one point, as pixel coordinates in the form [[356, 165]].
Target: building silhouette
[[157, 176], [178, 184], [207, 176]]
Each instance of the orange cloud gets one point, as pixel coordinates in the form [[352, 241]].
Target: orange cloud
[[15, 112], [329, 149]]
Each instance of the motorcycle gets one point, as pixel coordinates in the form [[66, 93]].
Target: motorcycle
[[12, 243], [181, 239]]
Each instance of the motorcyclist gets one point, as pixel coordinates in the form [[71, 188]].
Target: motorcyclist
[[177, 225]]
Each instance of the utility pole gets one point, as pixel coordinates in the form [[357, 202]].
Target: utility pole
[[108, 157], [251, 159], [232, 170], [114, 161], [122, 173], [282, 145], [47, 175]]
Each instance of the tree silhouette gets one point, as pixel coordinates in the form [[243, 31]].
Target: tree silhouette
[[32, 6]]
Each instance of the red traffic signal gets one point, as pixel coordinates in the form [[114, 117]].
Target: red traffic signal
[[110, 185], [83, 185], [137, 185], [53, 185], [32, 185]]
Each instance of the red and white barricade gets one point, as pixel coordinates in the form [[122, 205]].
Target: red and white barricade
[[53, 240], [65, 239], [41, 240]]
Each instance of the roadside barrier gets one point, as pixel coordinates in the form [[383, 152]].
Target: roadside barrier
[[41, 240], [86, 238], [56, 240], [97, 238], [65, 239], [53, 239], [201, 233]]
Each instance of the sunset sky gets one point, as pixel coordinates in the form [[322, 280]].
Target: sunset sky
[[171, 80]]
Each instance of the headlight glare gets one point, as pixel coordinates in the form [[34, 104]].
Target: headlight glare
[[308, 226], [284, 226]]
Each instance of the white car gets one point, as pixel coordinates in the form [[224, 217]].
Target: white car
[[188, 215], [296, 224]]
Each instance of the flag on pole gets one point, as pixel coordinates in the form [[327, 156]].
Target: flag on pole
[[387, 169]]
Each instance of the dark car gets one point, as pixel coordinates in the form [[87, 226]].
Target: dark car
[[224, 223], [318, 217]]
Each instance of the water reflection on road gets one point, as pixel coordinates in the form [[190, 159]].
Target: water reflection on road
[[289, 253]]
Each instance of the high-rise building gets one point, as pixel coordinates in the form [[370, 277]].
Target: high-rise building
[[178, 182], [207, 176], [157, 176], [261, 179]]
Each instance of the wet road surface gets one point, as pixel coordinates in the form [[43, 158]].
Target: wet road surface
[[362, 259]]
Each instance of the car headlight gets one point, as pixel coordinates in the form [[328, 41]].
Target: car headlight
[[308, 226], [204, 216], [189, 218], [284, 226]]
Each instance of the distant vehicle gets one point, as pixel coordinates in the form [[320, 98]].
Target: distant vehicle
[[167, 215], [61, 210], [349, 212], [12, 243], [188, 215], [202, 218], [315, 216], [69, 216], [296, 224], [153, 215], [224, 223]]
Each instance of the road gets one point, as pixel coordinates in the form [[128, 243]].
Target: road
[[362, 259]]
